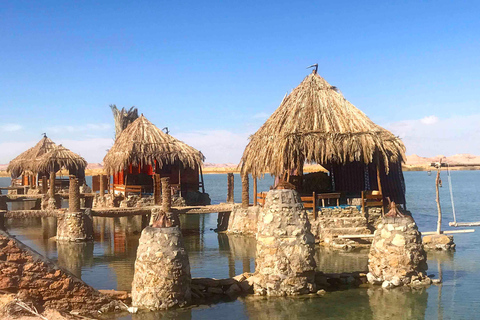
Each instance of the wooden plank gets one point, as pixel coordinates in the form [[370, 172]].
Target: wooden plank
[[464, 224], [449, 231]]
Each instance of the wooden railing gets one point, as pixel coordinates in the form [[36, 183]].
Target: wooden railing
[[372, 198], [312, 202], [126, 189]]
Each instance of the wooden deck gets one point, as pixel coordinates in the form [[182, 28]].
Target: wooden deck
[[119, 212]]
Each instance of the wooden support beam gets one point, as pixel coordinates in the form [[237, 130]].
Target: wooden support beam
[[255, 191], [245, 191], [230, 188]]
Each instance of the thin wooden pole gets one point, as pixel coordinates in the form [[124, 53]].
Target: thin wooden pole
[[230, 188], [379, 182], [315, 205], [439, 208], [255, 191], [201, 176]]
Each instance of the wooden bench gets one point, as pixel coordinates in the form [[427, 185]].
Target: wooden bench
[[311, 202], [372, 198]]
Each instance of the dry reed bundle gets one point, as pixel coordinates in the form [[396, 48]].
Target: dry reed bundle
[[123, 118], [60, 158], [316, 124], [26, 161], [142, 143]]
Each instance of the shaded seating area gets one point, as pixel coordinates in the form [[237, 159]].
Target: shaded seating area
[[142, 151], [33, 167], [315, 124]]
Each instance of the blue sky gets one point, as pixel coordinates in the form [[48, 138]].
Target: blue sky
[[213, 71]]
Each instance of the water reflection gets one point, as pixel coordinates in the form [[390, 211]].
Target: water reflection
[[399, 303], [330, 261], [72, 256], [240, 248]]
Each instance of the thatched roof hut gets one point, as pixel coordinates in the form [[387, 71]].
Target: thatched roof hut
[[142, 143], [60, 158], [316, 124], [27, 160]]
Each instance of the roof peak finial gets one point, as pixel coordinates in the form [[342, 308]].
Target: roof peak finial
[[316, 68]]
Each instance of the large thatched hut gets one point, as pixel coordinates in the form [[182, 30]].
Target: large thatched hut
[[142, 150], [43, 158], [316, 124]]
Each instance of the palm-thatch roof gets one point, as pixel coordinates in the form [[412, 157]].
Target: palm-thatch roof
[[142, 143], [123, 118], [60, 158], [26, 161], [316, 124]]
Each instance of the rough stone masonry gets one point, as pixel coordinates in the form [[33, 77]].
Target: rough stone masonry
[[162, 277], [285, 263], [37, 280], [397, 256]]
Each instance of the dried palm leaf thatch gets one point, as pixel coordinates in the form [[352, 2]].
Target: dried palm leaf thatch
[[123, 118], [316, 124], [26, 161], [60, 158], [142, 143]]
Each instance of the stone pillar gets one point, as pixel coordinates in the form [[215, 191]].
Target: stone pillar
[[75, 226], [51, 193], [166, 195], [230, 188], [245, 191], [162, 271], [74, 195], [285, 263], [397, 256]]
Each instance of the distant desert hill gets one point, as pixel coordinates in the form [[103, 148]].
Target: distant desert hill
[[414, 162]]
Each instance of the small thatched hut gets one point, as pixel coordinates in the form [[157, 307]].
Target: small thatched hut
[[61, 158], [142, 149], [43, 158], [316, 124]]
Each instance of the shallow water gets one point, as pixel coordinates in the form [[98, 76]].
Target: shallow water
[[108, 262]]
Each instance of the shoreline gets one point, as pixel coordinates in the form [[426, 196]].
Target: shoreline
[[307, 169]]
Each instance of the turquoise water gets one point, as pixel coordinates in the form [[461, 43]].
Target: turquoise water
[[108, 262]]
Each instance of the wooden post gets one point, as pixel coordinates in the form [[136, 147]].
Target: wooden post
[[201, 176], [245, 191], [52, 185], [44, 185], [255, 191], [315, 206], [230, 187], [74, 195], [379, 182], [166, 195], [102, 185], [157, 191], [437, 185]]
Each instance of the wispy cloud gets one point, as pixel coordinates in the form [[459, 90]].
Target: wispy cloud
[[432, 136], [10, 127], [429, 120]]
